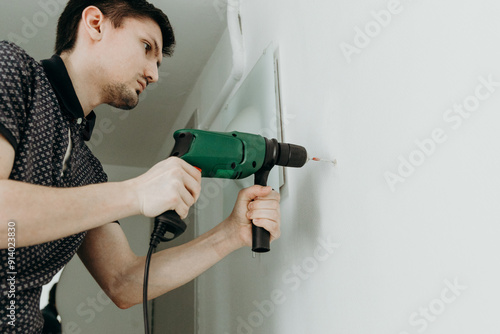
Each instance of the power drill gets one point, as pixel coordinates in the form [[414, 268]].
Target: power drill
[[228, 155]]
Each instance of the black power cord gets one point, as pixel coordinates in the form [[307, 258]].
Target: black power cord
[[145, 290], [168, 221]]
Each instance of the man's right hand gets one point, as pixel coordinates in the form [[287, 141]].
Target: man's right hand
[[171, 184]]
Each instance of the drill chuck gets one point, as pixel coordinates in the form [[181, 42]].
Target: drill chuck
[[291, 155], [283, 154]]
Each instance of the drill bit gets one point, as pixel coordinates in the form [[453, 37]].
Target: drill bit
[[334, 161]]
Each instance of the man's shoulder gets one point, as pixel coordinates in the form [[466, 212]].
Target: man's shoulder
[[12, 49], [17, 67], [12, 55]]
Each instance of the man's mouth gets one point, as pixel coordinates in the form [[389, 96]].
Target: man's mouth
[[143, 87]]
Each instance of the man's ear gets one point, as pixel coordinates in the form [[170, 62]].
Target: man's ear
[[92, 20]]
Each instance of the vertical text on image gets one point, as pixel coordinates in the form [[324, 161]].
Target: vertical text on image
[[11, 273]]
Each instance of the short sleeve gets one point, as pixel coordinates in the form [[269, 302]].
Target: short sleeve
[[15, 88]]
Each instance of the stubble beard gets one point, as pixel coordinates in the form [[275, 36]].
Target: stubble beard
[[120, 96]]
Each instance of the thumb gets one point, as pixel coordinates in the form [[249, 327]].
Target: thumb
[[253, 192]]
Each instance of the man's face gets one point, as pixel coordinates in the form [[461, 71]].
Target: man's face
[[129, 61]]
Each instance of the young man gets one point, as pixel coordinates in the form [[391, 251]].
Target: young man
[[54, 198]]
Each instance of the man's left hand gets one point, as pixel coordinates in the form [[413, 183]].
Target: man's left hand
[[260, 205]]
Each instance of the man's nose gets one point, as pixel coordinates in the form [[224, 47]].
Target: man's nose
[[151, 73]]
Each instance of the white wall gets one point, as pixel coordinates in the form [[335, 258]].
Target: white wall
[[358, 255]]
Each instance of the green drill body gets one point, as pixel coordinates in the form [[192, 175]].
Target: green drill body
[[226, 155]]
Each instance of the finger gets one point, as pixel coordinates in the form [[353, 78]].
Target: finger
[[179, 199], [195, 172], [273, 215], [273, 227], [189, 175], [193, 186], [273, 204], [182, 210], [186, 200], [273, 196], [250, 193]]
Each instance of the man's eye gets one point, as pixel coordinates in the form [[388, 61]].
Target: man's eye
[[147, 47]]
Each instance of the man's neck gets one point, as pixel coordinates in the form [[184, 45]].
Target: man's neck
[[85, 88]]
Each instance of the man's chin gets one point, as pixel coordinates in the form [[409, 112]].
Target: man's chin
[[121, 97], [126, 107], [127, 104]]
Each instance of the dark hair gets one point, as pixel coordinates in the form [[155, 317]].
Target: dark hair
[[116, 11]]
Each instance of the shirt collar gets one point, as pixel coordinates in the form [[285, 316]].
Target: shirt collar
[[63, 87]]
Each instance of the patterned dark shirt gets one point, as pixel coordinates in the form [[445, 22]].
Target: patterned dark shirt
[[39, 112]]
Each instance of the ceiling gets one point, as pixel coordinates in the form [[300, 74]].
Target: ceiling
[[131, 138]]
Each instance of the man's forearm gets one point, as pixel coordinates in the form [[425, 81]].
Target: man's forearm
[[174, 267], [43, 213]]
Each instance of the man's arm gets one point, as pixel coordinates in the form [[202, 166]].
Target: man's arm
[[120, 273], [44, 213], [7, 154]]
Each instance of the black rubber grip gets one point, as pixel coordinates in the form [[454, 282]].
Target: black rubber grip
[[260, 239], [170, 222]]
